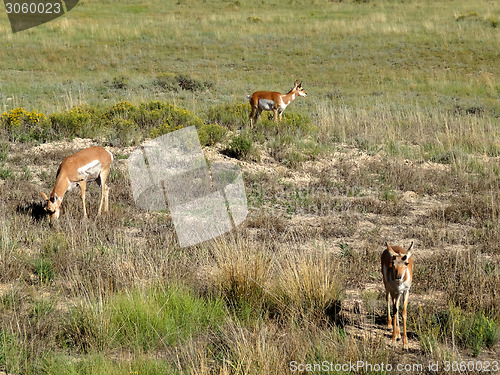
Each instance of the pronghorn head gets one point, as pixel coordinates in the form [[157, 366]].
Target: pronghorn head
[[298, 88], [52, 205], [400, 260]]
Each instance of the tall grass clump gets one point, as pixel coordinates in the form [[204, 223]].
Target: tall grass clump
[[142, 320], [161, 317], [308, 286], [240, 273], [467, 330]]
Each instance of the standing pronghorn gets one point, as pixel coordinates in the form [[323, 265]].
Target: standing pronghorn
[[92, 163], [397, 271], [273, 101]]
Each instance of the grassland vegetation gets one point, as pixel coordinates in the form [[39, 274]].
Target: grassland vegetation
[[398, 140]]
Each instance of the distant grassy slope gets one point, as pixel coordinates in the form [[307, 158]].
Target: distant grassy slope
[[430, 54]]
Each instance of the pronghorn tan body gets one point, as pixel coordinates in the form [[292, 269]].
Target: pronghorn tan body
[[273, 101], [397, 271], [90, 164]]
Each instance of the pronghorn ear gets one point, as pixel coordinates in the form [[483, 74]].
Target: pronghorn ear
[[408, 255], [44, 196], [410, 246], [296, 83], [391, 251]]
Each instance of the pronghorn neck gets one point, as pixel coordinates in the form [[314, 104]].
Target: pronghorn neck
[[288, 97], [61, 186]]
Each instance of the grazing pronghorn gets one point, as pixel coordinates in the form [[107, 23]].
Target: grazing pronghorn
[[397, 271], [92, 163], [273, 101]]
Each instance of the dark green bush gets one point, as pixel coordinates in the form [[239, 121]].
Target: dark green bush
[[172, 82], [241, 147], [211, 134]]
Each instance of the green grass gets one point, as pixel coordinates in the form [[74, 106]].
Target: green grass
[[142, 321], [413, 53]]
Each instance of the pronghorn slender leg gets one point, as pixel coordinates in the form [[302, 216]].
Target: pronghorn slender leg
[[83, 187], [252, 116], [389, 319], [106, 199], [104, 191], [275, 114], [281, 115], [405, 303], [395, 322]]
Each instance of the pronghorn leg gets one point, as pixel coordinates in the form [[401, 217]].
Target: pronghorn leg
[[104, 191], [106, 199], [252, 116], [395, 322], [83, 186], [389, 319], [275, 114], [405, 303], [281, 115]]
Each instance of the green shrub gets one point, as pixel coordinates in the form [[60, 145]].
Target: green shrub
[[80, 121], [122, 132], [121, 110], [172, 82], [241, 147], [229, 115], [192, 84], [292, 126], [166, 81], [163, 118], [470, 330], [211, 134], [22, 125]]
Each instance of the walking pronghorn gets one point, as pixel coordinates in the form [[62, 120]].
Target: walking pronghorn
[[273, 101], [90, 164], [397, 271]]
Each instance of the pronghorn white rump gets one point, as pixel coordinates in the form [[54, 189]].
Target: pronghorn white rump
[[90, 164], [273, 101], [397, 272]]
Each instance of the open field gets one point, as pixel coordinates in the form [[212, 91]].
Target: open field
[[398, 140]]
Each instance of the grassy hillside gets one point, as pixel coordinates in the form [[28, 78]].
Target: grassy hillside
[[398, 140], [400, 52]]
